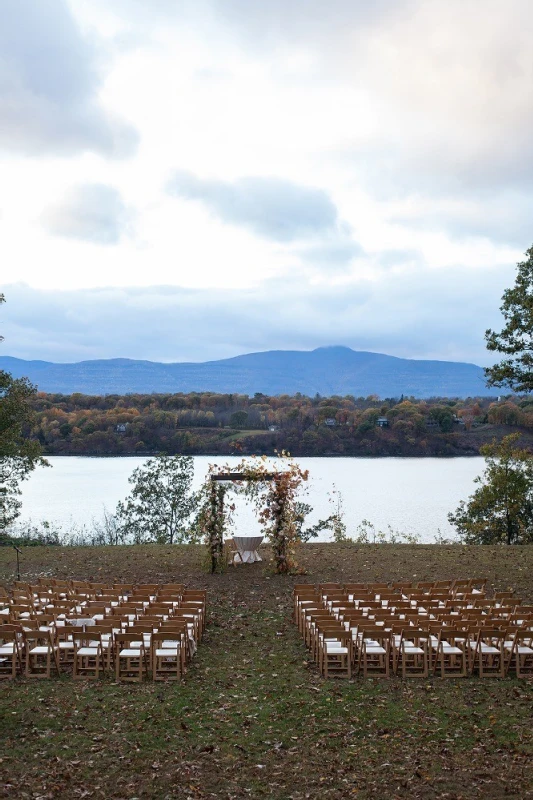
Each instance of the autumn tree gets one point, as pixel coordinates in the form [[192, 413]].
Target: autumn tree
[[501, 510], [516, 338], [161, 503], [19, 455]]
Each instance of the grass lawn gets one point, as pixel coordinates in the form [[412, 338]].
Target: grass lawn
[[252, 718]]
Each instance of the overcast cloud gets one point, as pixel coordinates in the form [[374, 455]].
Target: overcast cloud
[[193, 179], [270, 207], [91, 212], [49, 82]]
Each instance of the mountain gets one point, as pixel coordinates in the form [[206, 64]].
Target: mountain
[[326, 370]]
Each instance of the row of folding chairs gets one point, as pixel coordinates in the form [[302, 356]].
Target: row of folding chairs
[[35, 598], [346, 632], [153, 632], [131, 654]]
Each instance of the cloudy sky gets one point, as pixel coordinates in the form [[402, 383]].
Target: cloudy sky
[[194, 179]]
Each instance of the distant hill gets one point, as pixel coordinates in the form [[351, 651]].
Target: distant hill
[[326, 370]]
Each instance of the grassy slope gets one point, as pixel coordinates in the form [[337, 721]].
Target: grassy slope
[[252, 717]]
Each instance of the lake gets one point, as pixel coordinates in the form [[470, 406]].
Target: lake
[[412, 495]]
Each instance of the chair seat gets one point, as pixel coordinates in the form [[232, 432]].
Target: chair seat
[[489, 649], [452, 651], [337, 650], [130, 653], [66, 645], [171, 643], [38, 651], [88, 651], [8, 648], [375, 649], [165, 652], [523, 649], [411, 648]]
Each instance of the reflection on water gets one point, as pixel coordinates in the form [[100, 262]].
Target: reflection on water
[[412, 495]]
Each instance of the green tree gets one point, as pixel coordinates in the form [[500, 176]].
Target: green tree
[[161, 503], [238, 419], [516, 338], [444, 416], [501, 510], [19, 455]]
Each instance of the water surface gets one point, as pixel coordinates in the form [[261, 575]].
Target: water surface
[[413, 495]]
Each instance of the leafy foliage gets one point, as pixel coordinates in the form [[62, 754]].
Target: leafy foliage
[[501, 510], [367, 533], [275, 501], [210, 423], [19, 454], [213, 516], [275, 495], [516, 338], [161, 503]]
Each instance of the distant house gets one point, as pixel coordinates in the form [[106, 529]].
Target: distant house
[[121, 428], [382, 422], [330, 422], [273, 428], [458, 420]]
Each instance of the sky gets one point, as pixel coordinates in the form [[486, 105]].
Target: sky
[[188, 180]]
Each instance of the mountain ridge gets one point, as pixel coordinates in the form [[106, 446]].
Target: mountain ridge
[[333, 370]]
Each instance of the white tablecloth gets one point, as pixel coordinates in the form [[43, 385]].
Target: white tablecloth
[[247, 547]]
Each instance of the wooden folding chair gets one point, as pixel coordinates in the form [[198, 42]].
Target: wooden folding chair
[[335, 656], [312, 631], [412, 653], [65, 642], [166, 656], [504, 596], [520, 654], [488, 653], [374, 652], [42, 653], [477, 585], [194, 610], [130, 657], [173, 629], [231, 553], [401, 586], [10, 658], [88, 654], [107, 629], [302, 602], [450, 653]]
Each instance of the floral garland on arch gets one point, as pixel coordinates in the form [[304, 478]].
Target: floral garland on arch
[[214, 516], [275, 495]]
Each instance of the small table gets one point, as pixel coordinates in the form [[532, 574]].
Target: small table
[[247, 547]]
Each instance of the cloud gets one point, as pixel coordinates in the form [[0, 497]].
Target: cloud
[[90, 212], [426, 314], [503, 217], [334, 252], [273, 208], [49, 83]]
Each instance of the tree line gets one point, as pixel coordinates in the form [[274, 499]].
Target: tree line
[[209, 423]]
